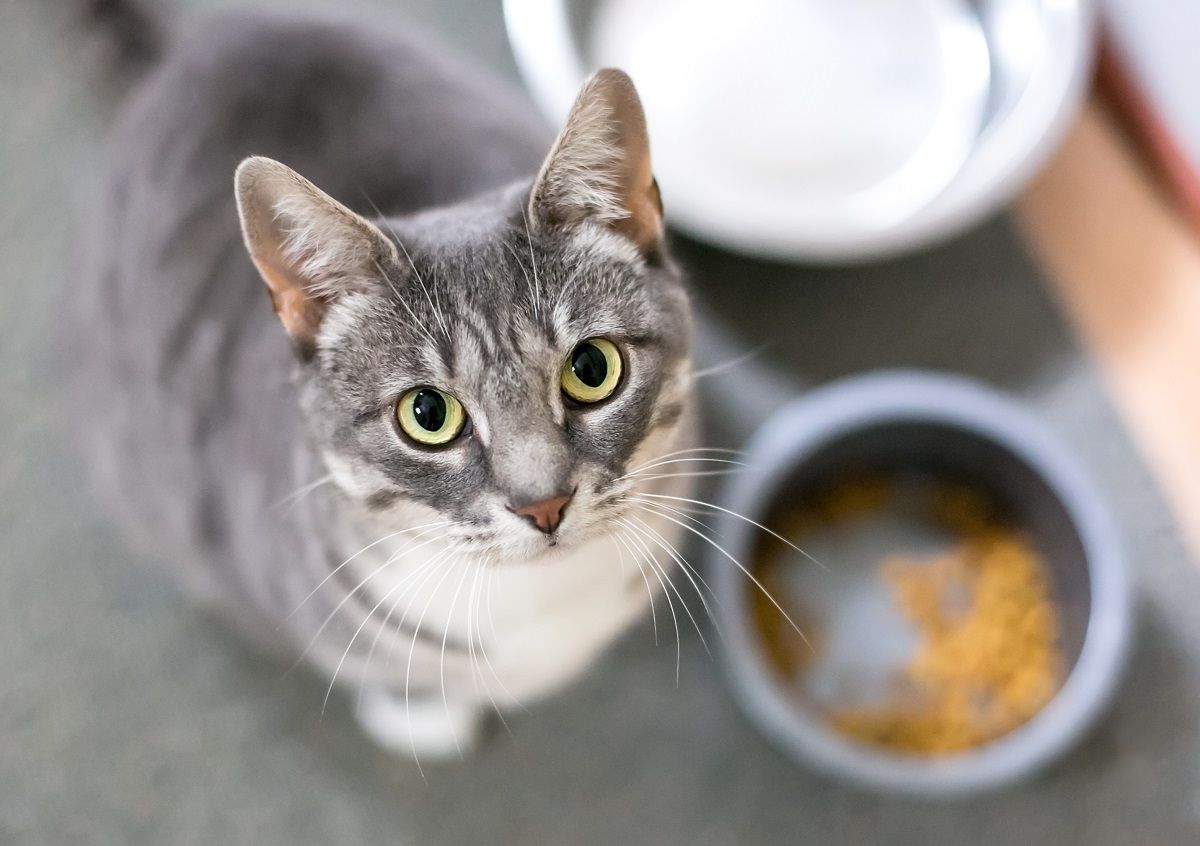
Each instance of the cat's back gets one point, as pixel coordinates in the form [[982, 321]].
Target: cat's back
[[383, 122], [185, 368], [358, 109]]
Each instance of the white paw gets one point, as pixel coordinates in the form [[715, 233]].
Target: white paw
[[427, 730]]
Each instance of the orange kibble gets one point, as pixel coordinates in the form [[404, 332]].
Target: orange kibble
[[988, 658]]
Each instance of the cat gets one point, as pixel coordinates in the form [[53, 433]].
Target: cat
[[411, 434]]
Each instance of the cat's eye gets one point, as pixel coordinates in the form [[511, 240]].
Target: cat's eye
[[430, 417], [592, 371]]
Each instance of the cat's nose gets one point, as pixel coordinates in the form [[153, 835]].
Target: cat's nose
[[545, 514]]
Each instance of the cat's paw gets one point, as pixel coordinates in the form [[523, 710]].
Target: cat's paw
[[425, 729]]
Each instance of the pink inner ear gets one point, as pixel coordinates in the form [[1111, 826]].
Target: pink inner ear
[[639, 191], [299, 313], [644, 226], [276, 206]]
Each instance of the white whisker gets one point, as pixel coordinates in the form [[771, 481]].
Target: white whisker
[[698, 474], [730, 364], [442, 660], [738, 564], [408, 667], [533, 294], [671, 584], [475, 638], [352, 592], [689, 451], [427, 568], [483, 651], [430, 571], [652, 563], [472, 659], [437, 307], [417, 325], [688, 570], [537, 289], [303, 491], [619, 541], [437, 314], [420, 280], [371, 545], [645, 468], [369, 616], [742, 517], [471, 627]]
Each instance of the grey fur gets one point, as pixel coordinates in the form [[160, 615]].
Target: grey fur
[[208, 433]]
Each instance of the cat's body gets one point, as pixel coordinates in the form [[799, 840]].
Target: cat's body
[[241, 460]]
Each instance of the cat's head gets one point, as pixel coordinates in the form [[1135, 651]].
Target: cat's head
[[501, 363]]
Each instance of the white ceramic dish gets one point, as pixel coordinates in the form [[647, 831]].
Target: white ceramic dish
[[809, 130]]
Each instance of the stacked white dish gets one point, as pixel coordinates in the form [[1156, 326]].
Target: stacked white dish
[[812, 130]]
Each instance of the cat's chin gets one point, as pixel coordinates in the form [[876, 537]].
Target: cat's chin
[[548, 549], [543, 549]]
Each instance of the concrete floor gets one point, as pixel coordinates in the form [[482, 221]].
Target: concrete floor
[[127, 718]]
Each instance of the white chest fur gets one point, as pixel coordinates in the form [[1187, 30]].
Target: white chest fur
[[531, 626]]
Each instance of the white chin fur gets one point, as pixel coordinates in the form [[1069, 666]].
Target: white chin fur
[[428, 730]]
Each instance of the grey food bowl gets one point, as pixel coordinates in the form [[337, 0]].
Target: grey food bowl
[[943, 425]]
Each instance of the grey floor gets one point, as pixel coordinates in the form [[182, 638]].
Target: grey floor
[[127, 718]]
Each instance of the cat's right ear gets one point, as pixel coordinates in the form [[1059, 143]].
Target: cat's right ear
[[308, 247], [599, 167]]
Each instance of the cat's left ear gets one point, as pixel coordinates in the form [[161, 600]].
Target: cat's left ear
[[308, 247], [599, 167]]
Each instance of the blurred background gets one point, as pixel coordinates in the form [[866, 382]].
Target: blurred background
[[128, 717]]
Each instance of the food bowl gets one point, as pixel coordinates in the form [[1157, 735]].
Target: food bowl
[[950, 429], [809, 130]]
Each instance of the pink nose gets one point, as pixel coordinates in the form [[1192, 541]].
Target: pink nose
[[547, 514]]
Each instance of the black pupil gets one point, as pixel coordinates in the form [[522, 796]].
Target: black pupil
[[589, 365], [429, 409]]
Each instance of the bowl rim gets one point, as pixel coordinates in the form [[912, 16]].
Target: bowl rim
[[856, 403], [1008, 151]]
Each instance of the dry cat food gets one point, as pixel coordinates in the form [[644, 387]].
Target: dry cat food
[[985, 656]]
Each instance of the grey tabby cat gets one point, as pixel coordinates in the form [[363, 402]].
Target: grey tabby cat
[[422, 468]]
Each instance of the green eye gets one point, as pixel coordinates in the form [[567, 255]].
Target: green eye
[[592, 371], [430, 417]]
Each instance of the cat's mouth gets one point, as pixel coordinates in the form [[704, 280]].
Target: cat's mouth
[[609, 519], [575, 531], [542, 531]]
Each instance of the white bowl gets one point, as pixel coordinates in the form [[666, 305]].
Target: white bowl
[[811, 130]]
